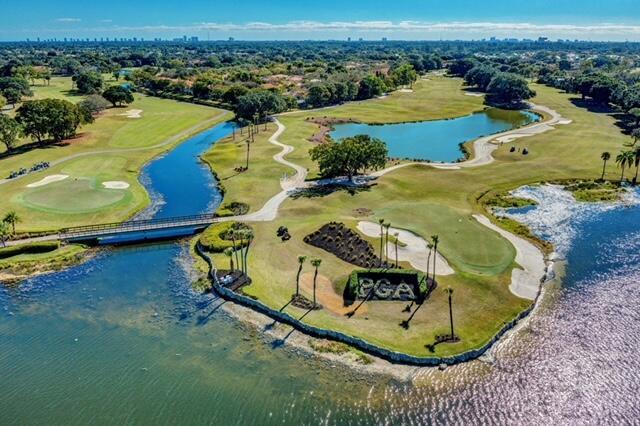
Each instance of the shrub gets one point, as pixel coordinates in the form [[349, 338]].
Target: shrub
[[31, 248], [216, 238]]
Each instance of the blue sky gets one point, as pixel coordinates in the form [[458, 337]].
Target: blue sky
[[336, 19]]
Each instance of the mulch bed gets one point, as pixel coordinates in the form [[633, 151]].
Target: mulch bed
[[346, 244]]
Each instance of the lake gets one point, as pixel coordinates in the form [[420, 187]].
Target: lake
[[437, 140]]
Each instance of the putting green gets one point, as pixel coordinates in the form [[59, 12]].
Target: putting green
[[71, 196]]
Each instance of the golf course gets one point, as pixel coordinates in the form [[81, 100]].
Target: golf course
[[94, 177], [419, 198]]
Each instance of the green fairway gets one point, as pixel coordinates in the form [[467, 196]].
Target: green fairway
[[426, 201], [113, 148]]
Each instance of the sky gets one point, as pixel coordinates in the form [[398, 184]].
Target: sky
[[327, 19]]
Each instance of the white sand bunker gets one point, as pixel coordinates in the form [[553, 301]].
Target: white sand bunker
[[405, 90], [477, 94], [47, 180], [415, 250], [132, 113], [115, 184]]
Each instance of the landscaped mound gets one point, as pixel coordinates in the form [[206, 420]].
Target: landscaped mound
[[346, 244], [218, 237]]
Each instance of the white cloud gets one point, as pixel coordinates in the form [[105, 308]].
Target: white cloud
[[68, 20]]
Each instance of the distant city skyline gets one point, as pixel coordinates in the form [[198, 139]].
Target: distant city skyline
[[616, 20]]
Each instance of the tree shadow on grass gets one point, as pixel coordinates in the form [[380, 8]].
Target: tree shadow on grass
[[319, 191]]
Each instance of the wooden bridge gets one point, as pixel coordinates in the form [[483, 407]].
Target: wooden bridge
[[144, 227]]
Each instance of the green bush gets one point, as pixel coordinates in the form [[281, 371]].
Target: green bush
[[31, 248], [233, 208], [215, 238]]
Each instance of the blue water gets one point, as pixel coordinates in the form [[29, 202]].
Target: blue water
[[437, 140], [180, 183]]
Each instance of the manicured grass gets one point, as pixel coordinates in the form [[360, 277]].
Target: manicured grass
[[255, 185], [114, 147], [427, 201], [20, 261]]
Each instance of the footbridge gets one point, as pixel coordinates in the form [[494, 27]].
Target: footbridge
[[134, 230]]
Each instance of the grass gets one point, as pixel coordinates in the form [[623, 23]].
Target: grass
[[114, 147], [20, 261], [426, 201], [255, 185]]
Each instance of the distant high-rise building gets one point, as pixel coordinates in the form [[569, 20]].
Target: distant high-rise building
[[232, 39], [193, 39], [360, 39], [348, 38], [384, 39]]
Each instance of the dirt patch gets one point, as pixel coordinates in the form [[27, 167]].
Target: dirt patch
[[346, 244], [362, 212], [132, 113], [327, 296]]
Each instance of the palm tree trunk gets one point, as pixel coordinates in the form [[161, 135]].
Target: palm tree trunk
[[435, 255], [396, 252], [451, 316], [315, 276], [246, 257], [298, 279], [248, 148], [381, 243], [428, 263], [604, 166], [386, 245], [235, 252], [622, 175]]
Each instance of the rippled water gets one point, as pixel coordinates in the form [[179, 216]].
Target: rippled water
[[123, 339], [437, 140]]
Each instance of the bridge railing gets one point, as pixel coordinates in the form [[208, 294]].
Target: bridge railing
[[135, 225]]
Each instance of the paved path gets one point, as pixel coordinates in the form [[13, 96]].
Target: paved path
[[164, 143]]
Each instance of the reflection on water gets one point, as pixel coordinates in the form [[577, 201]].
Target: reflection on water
[[123, 339], [437, 140]]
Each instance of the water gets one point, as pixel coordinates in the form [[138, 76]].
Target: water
[[437, 140], [123, 339]]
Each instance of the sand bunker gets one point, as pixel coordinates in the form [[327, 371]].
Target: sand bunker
[[115, 184], [47, 180], [132, 113], [405, 90], [327, 296], [478, 94], [415, 250]]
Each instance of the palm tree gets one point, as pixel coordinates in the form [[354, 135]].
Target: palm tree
[[435, 239], [395, 235], [248, 235], [4, 233], [449, 291], [229, 253], [623, 159], [301, 260], [232, 235], [430, 247], [605, 156], [11, 218], [316, 264], [636, 162], [248, 149], [386, 243], [381, 222]]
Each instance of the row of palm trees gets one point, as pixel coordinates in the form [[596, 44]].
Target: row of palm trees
[[8, 226], [315, 262], [626, 159], [241, 241]]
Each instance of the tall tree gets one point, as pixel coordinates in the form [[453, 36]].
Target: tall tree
[[395, 235], [11, 218], [381, 222], [624, 159], [229, 253], [316, 264], [118, 95], [349, 156], [605, 156], [4, 233], [301, 260], [434, 240], [10, 131], [449, 292]]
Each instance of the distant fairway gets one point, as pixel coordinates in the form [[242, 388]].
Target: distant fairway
[[72, 196]]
